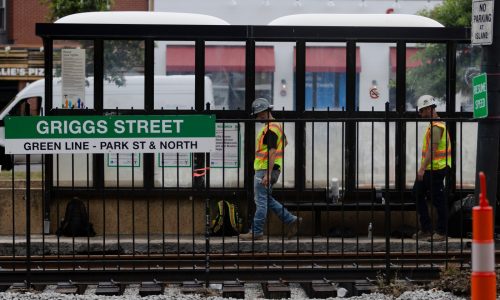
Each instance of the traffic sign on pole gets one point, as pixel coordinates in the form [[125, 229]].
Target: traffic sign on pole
[[480, 96], [482, 22]]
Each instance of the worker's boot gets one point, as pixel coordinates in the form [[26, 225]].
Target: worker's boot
[[293, 228], [251, 236]]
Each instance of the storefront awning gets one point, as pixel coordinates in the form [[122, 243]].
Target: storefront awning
[[411, 61], [328, 59], [219, 58]]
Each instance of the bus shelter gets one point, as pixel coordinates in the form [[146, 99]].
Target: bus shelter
[[156, 208]]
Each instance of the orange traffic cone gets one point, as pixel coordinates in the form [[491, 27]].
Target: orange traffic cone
[[483, 248]]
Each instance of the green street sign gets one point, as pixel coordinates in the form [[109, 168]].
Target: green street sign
[[480, 96], [110, 134]]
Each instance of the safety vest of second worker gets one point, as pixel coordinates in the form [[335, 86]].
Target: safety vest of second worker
[[442, 156], [262, 152]]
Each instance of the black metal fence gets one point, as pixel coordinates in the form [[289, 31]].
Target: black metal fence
[[155, 222]]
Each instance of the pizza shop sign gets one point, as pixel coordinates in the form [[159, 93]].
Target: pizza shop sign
[[22, 72]]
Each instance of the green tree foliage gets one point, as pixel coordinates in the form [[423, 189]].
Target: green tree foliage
[[451, 13], [61, 8], [430, 77], [121, 57]]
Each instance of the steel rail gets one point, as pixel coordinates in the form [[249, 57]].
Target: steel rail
[[234, 258]]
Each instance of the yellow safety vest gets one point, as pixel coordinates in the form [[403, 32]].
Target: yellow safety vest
[[442, 155], [262, 154]]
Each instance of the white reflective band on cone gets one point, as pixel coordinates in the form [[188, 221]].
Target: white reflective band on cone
[[483, 257]]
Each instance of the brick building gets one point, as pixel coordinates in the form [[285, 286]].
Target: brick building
[[21, 51]]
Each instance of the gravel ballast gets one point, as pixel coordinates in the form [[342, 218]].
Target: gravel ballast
[[252, 291]]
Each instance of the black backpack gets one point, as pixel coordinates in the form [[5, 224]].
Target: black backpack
[[76, 220], [227, 221], [460, 217]]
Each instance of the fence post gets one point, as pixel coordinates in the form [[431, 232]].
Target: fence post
[[207, 221], [483, 286], [387, 199], [207, 241], [28, 220]]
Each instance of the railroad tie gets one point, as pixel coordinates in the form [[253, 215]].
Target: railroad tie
[[276, 289], [320, 289], [192, 287], [149, 288], [19, 287], [233, 289], [363, 287], [68, 288], [108, 288]]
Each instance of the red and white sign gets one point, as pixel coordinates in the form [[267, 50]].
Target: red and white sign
[[374, 93]]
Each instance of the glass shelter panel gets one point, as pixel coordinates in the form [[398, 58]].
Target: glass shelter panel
[[123, 89], [466, 155], [283, 89], [225, 67], [425, 74], [123, 74], [325, 76], [414, 137], [371, 155], [265, 68], [224, 74], [375, 76], [468, 66], [174, 75], [327, 161]]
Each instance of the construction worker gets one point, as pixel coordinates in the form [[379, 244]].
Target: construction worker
[[434, 164], [270, 146]]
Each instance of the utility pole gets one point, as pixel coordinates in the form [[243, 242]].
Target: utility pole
[[488, 138]]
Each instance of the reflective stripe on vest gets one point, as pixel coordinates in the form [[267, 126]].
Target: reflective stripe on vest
[[442, 156], [262, 153]]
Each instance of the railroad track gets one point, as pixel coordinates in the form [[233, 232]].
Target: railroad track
[[143, 260], [245, 266]]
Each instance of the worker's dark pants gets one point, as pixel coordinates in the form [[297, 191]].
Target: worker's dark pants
[[432, 188]]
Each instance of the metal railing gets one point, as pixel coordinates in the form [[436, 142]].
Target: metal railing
[[154, 222], [168, 231]]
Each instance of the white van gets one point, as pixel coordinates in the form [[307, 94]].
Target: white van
[[170, 93]]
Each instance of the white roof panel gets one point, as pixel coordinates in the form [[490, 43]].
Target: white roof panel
[[356, 20], [141, 17]]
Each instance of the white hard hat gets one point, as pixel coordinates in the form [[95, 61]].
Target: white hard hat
[[425, 101], [260, 105]]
